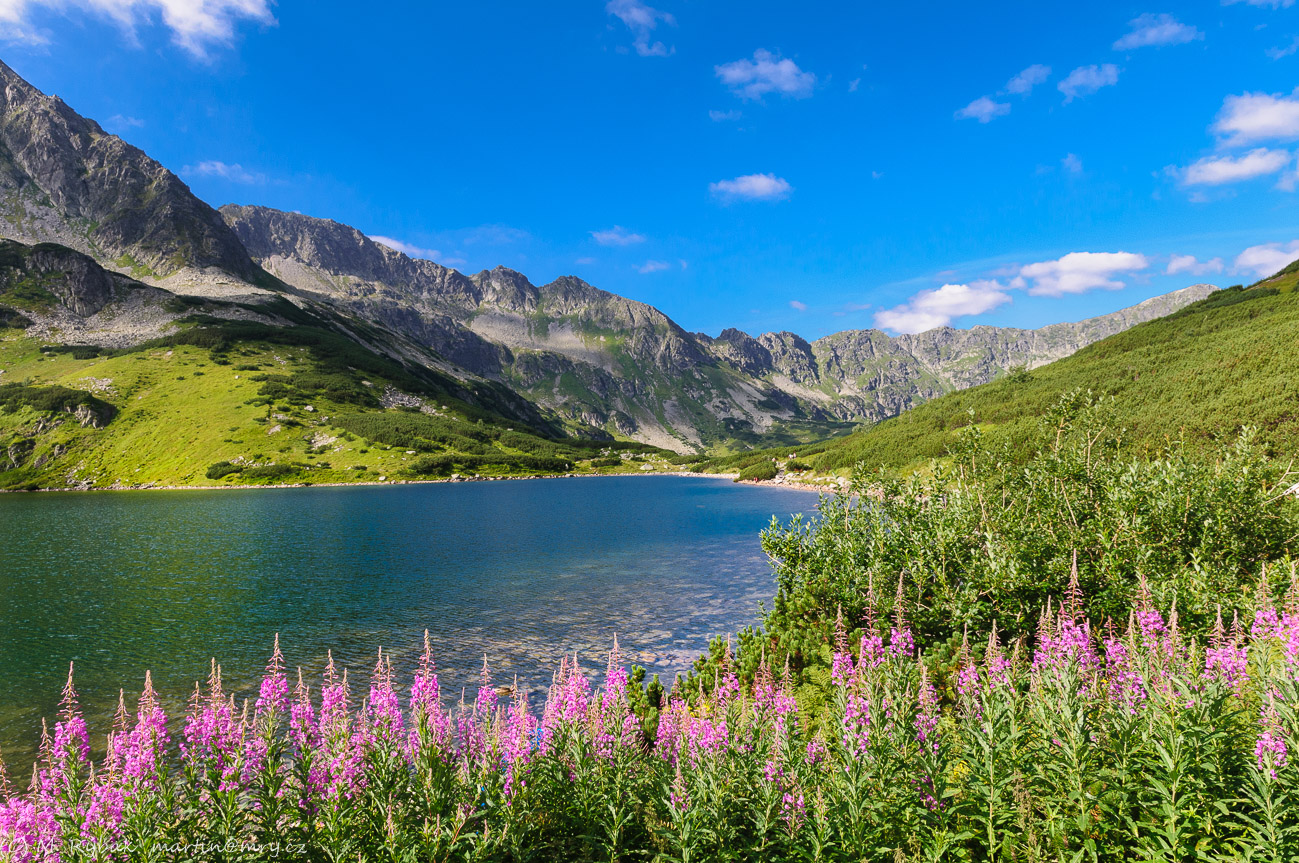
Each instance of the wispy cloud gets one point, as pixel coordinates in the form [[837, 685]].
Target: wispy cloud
[[406, 248], [585, 262], [1279, 52], [1264, 260], [617, 236], [1072, 164], [121, 121], [1190, 264], [983, 109], [642, 20], [853, 85], [1253, 117], [1078, 273], [766, 73], [1086, 80], [233, 173], [1156, 31], [1023, 83], [938, 307], [798, 305], [1219, 170], [1274, 4], [195, 25], [653, 267], [752, 187], [724, 116]]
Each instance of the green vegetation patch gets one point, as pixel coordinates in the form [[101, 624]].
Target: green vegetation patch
[[760, 472], [52, 399]]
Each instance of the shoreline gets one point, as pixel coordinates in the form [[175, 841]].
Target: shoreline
[[730, 476]]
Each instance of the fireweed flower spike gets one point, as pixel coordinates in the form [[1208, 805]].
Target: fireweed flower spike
[[273, 696], [1226, 658], [901, 643], [1270, 751]]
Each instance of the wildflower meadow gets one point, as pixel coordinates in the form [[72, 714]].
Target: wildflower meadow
[[1138, 742]]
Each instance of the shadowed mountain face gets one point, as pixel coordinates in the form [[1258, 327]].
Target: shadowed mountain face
[[597, 363], [64, 179]]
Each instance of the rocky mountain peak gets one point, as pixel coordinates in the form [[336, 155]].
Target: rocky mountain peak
[[64, 179]]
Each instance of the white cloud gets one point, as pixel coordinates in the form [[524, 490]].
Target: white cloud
[[1274, 4], [1278, 53], [231, 173], [641, 20], [617, 236], [1079, 272], [585, 262], [937, 308], [1156, 31], [1086, 80], [723, 116], [1264, 260], [798, 305], [1218, 170], [1072, 164], [853, 85], [195, 25], [120, 121], [1025, 81], [406, 248], [752, 187], [653, 266], [1189, 264], [983, 109], [766, 73], [1253, 117]]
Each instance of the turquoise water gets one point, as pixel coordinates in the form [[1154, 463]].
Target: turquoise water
[[520, 571]]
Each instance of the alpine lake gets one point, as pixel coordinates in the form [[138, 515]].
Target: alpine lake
[[519, 572]]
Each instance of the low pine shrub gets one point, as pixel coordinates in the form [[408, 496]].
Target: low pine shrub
[[763, 470]]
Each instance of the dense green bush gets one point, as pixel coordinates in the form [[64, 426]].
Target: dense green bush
[[499, 462], [987, 538], [222, 469], [606, 462], [270, 472], [52, 399], [14, 319], [763, 470]]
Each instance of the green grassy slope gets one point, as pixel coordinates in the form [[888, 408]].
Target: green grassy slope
[[1200, 374], [231, 403]]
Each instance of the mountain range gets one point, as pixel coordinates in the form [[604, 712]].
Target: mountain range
[[108, 248]]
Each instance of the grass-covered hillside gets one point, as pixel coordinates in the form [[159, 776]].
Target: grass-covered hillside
[[1199, 374], [226, 402]]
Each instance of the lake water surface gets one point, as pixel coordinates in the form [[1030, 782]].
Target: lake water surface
[[520, 571]]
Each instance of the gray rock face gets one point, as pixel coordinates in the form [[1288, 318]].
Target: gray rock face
[[64, 179], [31, 275], [606, 363]]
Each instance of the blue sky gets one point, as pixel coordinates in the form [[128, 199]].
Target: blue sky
[[811, 167]]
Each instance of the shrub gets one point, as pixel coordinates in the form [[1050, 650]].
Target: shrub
[[763, 470], [222, 469], [606, 462], [987, 539], [270, 472]]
